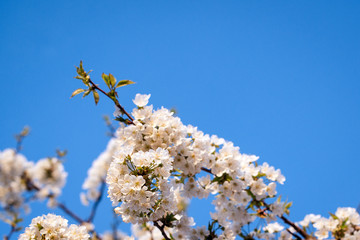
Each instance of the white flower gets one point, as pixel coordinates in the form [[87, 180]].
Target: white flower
[[13, 166], [49, 175], [273, 227], [348, 213], [322, 233], [158, 147], [53, 227], [141, 100], [310, 218], [97, 173]]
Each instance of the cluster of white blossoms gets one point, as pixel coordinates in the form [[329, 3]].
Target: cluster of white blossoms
[[97, 174], [18, 177], [51, 226], [344, 224], [13, 169], [153, 167], [49, 176], [159, 160]]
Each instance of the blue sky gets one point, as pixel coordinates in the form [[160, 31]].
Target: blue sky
[[278, 78]]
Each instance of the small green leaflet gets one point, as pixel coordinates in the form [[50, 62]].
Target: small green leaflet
[[124, 83], [77, 91]]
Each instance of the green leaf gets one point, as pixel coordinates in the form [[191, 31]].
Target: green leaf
[[112, 80], [106, 79], [333, 216], [80, 69], [17, 220], [96, 97], [111, 95], [343, 224], [221, 179], [80, 77], [39, 226], [86, 93], [77, 91], [120, 119], [288, 205], [124, 83]]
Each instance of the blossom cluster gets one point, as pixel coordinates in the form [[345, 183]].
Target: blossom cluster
[[49, 175], [97, 174], [18, 177], [51, 226], [153, 166], [344, 224], [160, 161], [13, 168]]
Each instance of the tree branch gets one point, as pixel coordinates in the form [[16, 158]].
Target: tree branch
[[207, 170], [115, 101], [296, 227], [12, 230], [31, 186], [161, 228], [292, 224], [96, 203], [70, 213], [294, 234]]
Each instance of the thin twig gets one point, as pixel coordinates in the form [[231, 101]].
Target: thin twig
[[96, 203], [296, 227], [294, 234], [12, 230], [76, 217], [115, 101], [110, 126], [161, 230], [20, 138], [31, 186], [292, 224], [19, 145], [70, 213], [115, 226], [207, 170]]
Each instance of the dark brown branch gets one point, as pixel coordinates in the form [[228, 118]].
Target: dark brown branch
[[294, 234], [115, 101], [31, 186], [292, 224], [76, 217], [161, 228], [207, 170], [296, 227], [70, 213]]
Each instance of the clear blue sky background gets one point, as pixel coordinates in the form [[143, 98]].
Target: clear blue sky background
[[278, 78]]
